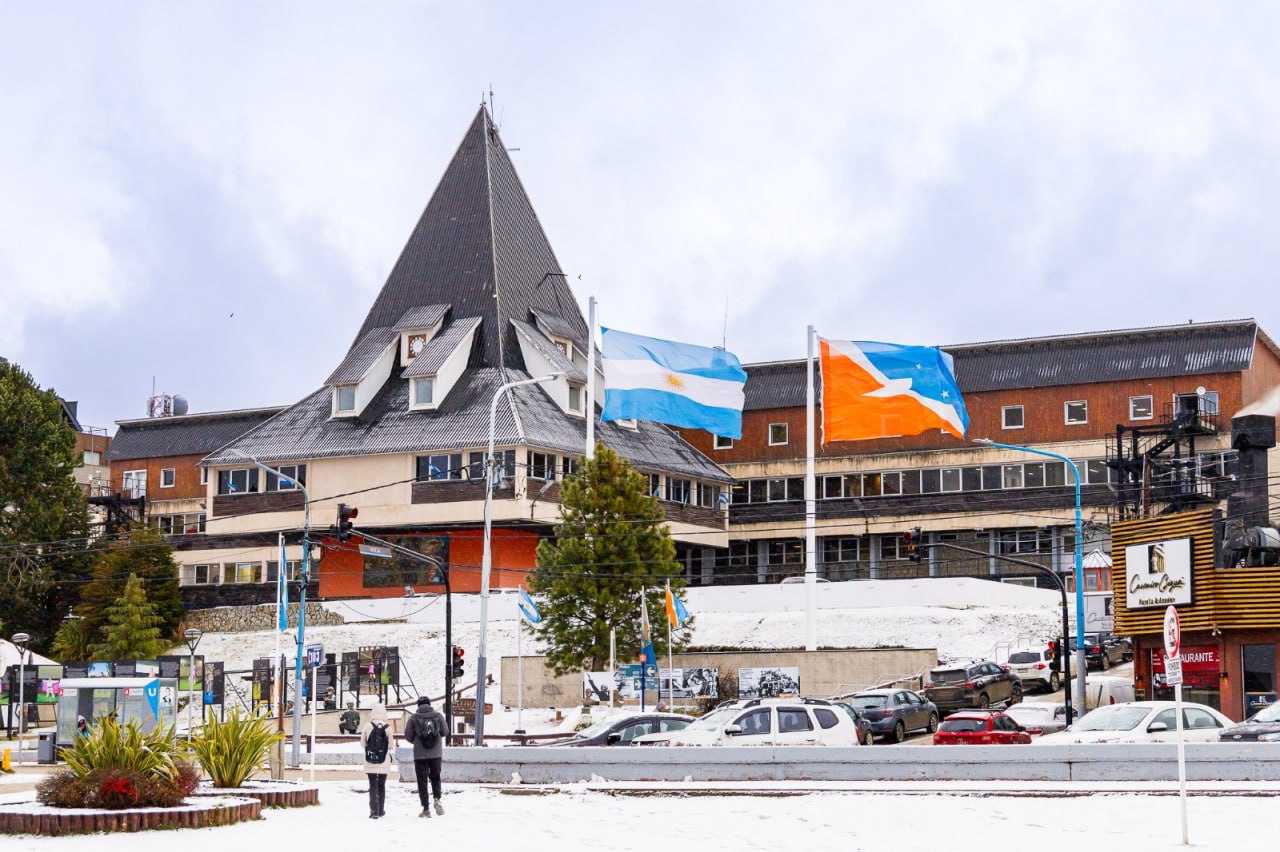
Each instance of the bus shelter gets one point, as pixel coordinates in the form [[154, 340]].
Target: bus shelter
[[149, 700]]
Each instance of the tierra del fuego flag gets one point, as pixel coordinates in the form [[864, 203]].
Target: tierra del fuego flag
[[880, 390]]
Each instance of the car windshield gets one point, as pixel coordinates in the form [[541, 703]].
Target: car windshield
[[714, 720], [1115, 717], [598, 728], [1024, 657], [948, 676], [964, 725], [870, 702], [1270, 713]]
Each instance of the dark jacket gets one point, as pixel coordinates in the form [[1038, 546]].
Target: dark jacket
[[413, 732]]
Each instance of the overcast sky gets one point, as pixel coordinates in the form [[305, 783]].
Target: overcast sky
[[212, 196]]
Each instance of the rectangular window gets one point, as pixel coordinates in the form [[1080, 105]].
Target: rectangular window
[[424, 392], [719, 442], [709, 496], [1033, 475], [1076, 412], [677, 490], [786, 551], [1055, 474], [971, 479], [294, 475], [853, 485], [568, 466], [575, 399], [832, 487], [911, 482], [891, 483], [739, 492], [842, 549], [992, 477], [930, 481], [655, 485], [1096, 472], [244, 572], [92, 457], [759, 491], [795, 488], [1141, 408], [777, 434], [241, 480], [344, 399], [777, 490], [197, 575], [204, 476], [950, 479], [541, 466], [167, 477], [1011, 417], [439, 466], [1192, 405], [871, 485], [889, 548], [1012, 475], [134, 483], [292, 568]]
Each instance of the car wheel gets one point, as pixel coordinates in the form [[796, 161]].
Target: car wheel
[[899, 731], [984, 701], [933, 723], [1055, 683], [868, 739], [1016, 695]]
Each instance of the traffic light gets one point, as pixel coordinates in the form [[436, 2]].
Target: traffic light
[[345, 514], [911, 538], [457, 662]]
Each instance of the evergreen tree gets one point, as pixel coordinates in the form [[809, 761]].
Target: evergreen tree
[[612, 545], [43, 515], [132, 630], [144, 552], [73, 641]]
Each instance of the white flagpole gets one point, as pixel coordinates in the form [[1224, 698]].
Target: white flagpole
[[314, 705], [671, 666], [519, 675], [810, 513], [591, 378], [275, 657]]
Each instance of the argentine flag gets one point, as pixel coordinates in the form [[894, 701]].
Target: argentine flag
[[696, 387], [528, 608]]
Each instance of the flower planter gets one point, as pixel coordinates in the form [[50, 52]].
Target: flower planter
[[272, 794]]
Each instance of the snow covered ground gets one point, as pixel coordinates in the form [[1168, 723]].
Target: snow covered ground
[[582, 818]]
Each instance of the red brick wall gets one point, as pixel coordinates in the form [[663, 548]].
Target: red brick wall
[[186, 476]]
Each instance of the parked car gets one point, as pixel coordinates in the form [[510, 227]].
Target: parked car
[[767, 722], [894, 713], [1101, 651], [974, 685], [1263, 725], [1126, 647], [866, 736], [621, 730], [980, 727], [1038, 719], [1143, 722], [1035, 668]]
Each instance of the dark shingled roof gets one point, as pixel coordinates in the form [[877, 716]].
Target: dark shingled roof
[[429, 361], [188, 435], [306, 431], [559, 361], [423, 316], [479, 247], [1105, 356], [558, 325], [362, 356]]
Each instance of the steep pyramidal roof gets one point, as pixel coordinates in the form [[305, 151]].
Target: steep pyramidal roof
[[478, 238]]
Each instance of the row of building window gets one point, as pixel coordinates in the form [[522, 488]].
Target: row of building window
[[227, 573], [189, 523]]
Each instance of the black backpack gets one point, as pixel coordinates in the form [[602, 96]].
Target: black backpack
[[429, 733], [376, 745]]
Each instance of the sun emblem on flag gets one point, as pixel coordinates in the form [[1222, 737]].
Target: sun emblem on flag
[[675, 381]]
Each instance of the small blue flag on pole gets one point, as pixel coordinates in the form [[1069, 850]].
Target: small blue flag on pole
[[282, 591], [528, 608]]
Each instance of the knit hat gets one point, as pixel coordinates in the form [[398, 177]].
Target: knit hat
[[424, 701]]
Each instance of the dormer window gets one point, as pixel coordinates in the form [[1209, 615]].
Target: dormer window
[[344, 399], [424, 392], [575, 398]]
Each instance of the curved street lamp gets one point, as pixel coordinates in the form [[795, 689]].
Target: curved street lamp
[[192, 637]]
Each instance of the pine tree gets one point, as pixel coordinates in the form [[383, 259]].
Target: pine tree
[[44, 517], [611, 546], [132, 630], [144, 552]]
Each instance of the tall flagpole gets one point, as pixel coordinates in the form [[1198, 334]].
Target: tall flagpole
[[671, 666], [591, 378], [281, 614], [810, 513], [519, 675]]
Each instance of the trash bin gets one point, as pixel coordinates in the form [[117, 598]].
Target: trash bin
[[45, 751]]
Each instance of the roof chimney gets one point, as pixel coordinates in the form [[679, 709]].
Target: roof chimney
[[1251, 436]]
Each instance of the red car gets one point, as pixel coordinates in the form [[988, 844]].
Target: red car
[[979, 728]]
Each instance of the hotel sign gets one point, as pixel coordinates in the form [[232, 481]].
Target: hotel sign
[[1157, 574]]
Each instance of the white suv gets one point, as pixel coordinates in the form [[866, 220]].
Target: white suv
[[765, 722], [1034, 667]]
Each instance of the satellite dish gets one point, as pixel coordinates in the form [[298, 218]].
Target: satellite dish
[[180, 405]]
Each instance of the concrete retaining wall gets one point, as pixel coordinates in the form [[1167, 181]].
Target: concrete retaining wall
[[1146, 762]]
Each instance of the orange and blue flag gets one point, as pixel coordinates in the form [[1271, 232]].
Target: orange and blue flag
[[881, 390], [676, 612]]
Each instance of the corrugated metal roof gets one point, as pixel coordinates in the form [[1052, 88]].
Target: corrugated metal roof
[[362, 356], [423, 316], [429, 361], [306, 430], [560, 326], [188, 435], [559, 361], [1106, 356]]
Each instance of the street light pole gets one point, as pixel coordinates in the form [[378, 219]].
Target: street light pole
[[193, 639], [1079, 562], [20, 641], [486, 562], [296, 744]]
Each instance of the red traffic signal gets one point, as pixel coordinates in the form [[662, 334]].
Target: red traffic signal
[[911, 539], [456, 663], [345, 515]]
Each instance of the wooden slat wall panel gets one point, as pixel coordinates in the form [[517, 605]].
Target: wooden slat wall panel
[[1236, 598]]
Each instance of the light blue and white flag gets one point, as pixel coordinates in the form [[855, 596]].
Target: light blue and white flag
[[528, 608], [282, 591], [696, 387]]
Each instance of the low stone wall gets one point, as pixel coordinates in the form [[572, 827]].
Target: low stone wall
[[248, 619], [1106, 762]]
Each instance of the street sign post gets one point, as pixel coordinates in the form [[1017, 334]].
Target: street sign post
[[315, 656], [1173, 676]]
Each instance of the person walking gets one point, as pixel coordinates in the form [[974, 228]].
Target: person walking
[[378, 742], [426, 730]]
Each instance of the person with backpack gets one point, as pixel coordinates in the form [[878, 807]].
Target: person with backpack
[[377, 741], [426, 729]]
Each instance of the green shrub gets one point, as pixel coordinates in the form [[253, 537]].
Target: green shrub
[[233, 750], [111, 745], [119, 766]]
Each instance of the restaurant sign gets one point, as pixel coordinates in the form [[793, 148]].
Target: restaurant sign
[[1158, 573]]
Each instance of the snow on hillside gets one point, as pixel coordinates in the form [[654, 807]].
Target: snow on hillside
[[961, 617]]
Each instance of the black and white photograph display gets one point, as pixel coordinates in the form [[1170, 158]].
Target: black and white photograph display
[[769, 683], [597, 687], [690, 683]]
